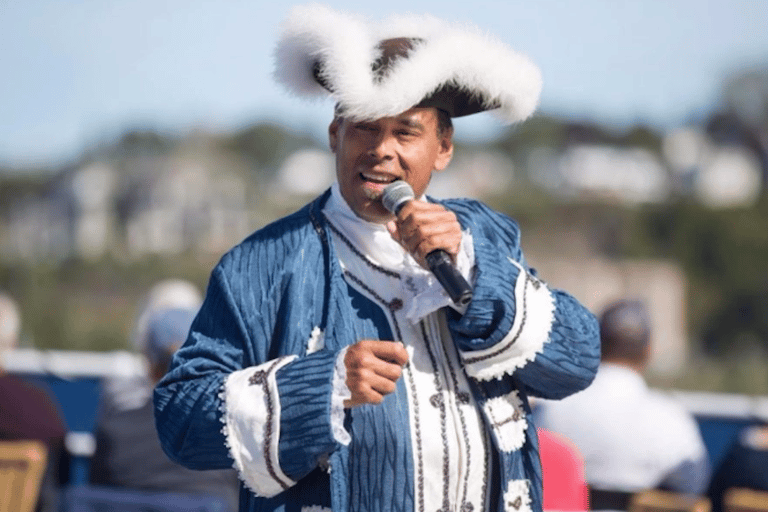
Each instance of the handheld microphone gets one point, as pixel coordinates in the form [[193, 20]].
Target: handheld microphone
[[393, 198]]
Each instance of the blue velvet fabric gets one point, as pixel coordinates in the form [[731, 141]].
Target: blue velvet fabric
[[264, 299]]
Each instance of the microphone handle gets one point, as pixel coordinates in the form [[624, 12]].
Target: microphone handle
[[447, 275]]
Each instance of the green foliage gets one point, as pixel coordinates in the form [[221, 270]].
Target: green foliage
[[89, 306], [16, 187], [266, 144], [724, 254]]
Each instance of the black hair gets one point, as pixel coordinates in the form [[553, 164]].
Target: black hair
[[625, 331], [444, 122]]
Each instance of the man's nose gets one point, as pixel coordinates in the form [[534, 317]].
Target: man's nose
[[383, 146]]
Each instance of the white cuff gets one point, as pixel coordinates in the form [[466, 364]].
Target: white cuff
[[251, 416], [534, 315]]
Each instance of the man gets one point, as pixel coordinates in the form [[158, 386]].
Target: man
[[744, 466], [326, 361], [28, 411], [632, 438]]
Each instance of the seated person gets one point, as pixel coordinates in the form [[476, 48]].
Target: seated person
[[562, 467], [745, 465], [35, 413], [128, 452], [632, 438]]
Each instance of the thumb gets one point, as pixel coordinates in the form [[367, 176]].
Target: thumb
[[392, 228]]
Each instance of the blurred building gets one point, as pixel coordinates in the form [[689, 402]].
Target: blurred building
[[601, 172], [720, 174], [134, 207], [475, 174]]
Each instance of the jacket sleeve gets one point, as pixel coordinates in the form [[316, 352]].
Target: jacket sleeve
[[230, 399], [515, 324]]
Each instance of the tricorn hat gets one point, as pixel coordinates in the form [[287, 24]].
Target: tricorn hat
[[380, 69]]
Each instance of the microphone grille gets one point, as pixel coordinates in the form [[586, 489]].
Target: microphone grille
[[395, 195]]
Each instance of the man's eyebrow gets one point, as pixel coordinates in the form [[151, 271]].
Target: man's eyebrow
[[411, 123]]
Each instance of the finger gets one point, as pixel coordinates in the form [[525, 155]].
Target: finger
[[439, 227], [448, 243], [367, 387], [391, 352], [392, 228], [425, 220], [382, 385], [382, 358]]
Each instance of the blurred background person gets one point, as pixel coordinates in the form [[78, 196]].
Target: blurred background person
[[745, 465], [128, 453], [27, 411], [562, 471], [131, 392], [632, 438]]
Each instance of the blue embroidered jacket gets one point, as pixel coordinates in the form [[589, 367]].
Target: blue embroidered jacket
[[244, 388]]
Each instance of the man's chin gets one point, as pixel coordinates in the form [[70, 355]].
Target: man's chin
[[373, 193]]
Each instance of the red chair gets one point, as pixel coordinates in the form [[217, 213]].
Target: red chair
[[565, 486]]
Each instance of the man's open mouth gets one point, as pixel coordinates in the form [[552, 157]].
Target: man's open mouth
[[377, 178]]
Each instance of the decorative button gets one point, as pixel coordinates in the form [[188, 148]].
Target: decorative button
[[396, 304], [467, 507], [436, 400], [463, 397], [257, 378]]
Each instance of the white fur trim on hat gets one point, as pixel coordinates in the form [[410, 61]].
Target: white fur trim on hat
[[445, 54]]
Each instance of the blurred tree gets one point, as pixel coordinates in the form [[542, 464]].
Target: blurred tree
[[142, 142], [746, 95], [541, 130], [267, 144], [725, 256], [15, 187], [746, 116]]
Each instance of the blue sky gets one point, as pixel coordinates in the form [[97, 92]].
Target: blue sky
[[73, 73]]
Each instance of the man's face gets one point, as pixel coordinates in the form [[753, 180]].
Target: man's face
[[372, 154]]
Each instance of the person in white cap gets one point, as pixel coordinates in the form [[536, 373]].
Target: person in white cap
[[127, 453], [327, 364]]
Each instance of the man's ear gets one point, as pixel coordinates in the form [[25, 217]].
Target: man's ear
[[445, 150], [333, 133]]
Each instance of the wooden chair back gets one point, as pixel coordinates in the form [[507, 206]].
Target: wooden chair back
[[664, 501], [22, 465], [745, 500]]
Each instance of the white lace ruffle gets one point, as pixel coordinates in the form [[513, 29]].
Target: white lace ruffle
[[340, 393], [316, 341], [422, 292]]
